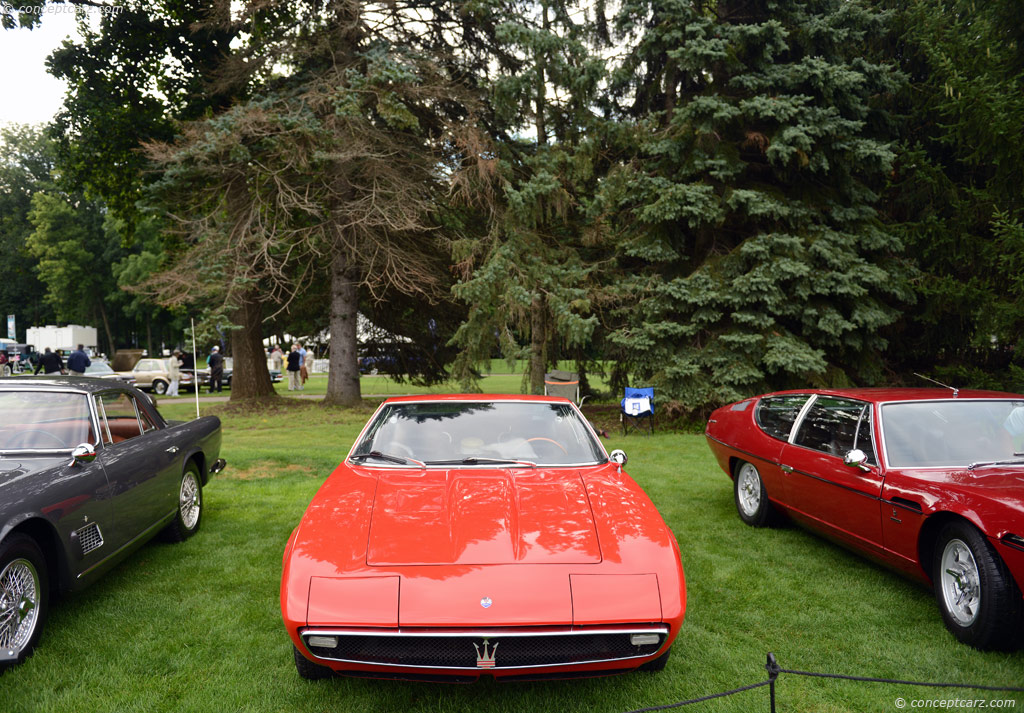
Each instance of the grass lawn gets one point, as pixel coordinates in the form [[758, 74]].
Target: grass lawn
[[197, 627]]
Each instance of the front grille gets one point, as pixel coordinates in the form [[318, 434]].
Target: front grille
[[90, 538], [504, 650]]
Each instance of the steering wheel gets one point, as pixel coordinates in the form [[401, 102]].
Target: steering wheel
[[540, 438], [400, 449], [16, 440]]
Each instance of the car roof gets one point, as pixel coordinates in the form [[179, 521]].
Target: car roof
[[880, 394], [57, 383]]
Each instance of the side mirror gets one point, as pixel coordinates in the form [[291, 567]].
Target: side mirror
[[83, 453], [856, 459], [618, 456]]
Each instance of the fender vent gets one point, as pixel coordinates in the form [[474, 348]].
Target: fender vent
[[90, 538]]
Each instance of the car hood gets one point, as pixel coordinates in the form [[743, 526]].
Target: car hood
[[999, 483], [16, 469], [474, 546], [482, 517]]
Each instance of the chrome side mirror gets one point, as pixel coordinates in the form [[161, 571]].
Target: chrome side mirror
[[618, 456], [856, 459], [83, 453]]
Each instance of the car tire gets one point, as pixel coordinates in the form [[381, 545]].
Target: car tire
[[751, 498], [976, 593], [309, 670], [159, 387], [657, 664], [189, 514], [24, 593]]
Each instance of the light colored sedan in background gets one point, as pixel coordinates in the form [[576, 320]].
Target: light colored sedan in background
[[153, 375]]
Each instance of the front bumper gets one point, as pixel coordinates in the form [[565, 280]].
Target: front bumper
[[460, 653]]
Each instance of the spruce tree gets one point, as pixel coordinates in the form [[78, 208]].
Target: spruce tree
[[750, 152], [525, 274]]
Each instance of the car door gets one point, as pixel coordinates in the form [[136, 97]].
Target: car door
[[75, 494], [841, 499], [145, 371], [142, 463]]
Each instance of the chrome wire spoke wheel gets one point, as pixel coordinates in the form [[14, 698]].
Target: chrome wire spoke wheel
[[189, 500], [19, 604], [961, 582], [749, 490]]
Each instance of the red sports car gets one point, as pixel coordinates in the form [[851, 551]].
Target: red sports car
[[928, 481], [479, 534]]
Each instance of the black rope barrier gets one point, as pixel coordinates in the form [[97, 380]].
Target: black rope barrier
[[774, 670], [680, 704]]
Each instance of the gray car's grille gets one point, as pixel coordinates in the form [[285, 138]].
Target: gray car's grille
[[463, 651], [90, 538]]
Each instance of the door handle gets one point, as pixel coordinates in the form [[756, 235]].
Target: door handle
[[787, 469], [172, 449]]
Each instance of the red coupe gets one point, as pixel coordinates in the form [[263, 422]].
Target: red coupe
[[927, 481], [476, 534]]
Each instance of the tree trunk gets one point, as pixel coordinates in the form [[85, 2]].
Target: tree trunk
[[106, 328], [542, 87], [343, 372], [538, 344], [250, 378]]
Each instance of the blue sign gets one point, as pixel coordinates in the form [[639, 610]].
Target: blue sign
[[10, 327]]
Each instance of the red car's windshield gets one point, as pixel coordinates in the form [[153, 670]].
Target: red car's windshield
[[953, 433], [450, 433]]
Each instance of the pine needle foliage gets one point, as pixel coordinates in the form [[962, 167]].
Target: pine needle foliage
[[742, 203]]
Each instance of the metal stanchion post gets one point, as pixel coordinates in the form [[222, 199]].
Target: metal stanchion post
[[772, 667]]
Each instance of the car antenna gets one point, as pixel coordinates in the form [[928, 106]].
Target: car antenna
[[956, 391]]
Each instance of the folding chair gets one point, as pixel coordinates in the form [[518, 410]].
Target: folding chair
[[563, 383], [637, 407]]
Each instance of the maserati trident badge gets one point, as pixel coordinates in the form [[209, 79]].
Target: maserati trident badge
[[486, 602], [482, 659]]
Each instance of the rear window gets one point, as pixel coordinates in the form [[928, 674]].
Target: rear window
[[777, 414]]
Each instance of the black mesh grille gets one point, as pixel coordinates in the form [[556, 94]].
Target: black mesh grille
[[509, 651]]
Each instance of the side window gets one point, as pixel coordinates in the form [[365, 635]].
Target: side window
[[145, 420], [834, 426], [864, 441], [119, 416], [777, 414]]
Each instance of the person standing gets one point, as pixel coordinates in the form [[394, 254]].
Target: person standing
[[216, 362], [50, 363], [307, 366], [294, 365], [302, 365], [174, 365], [78, 361]]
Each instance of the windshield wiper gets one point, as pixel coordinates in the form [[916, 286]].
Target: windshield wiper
[[390, 458], [982, 464], [473, 460]]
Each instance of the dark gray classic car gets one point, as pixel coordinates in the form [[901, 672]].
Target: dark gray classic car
[[89, 471]]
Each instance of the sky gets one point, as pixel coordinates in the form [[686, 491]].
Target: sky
[[28, 95]]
